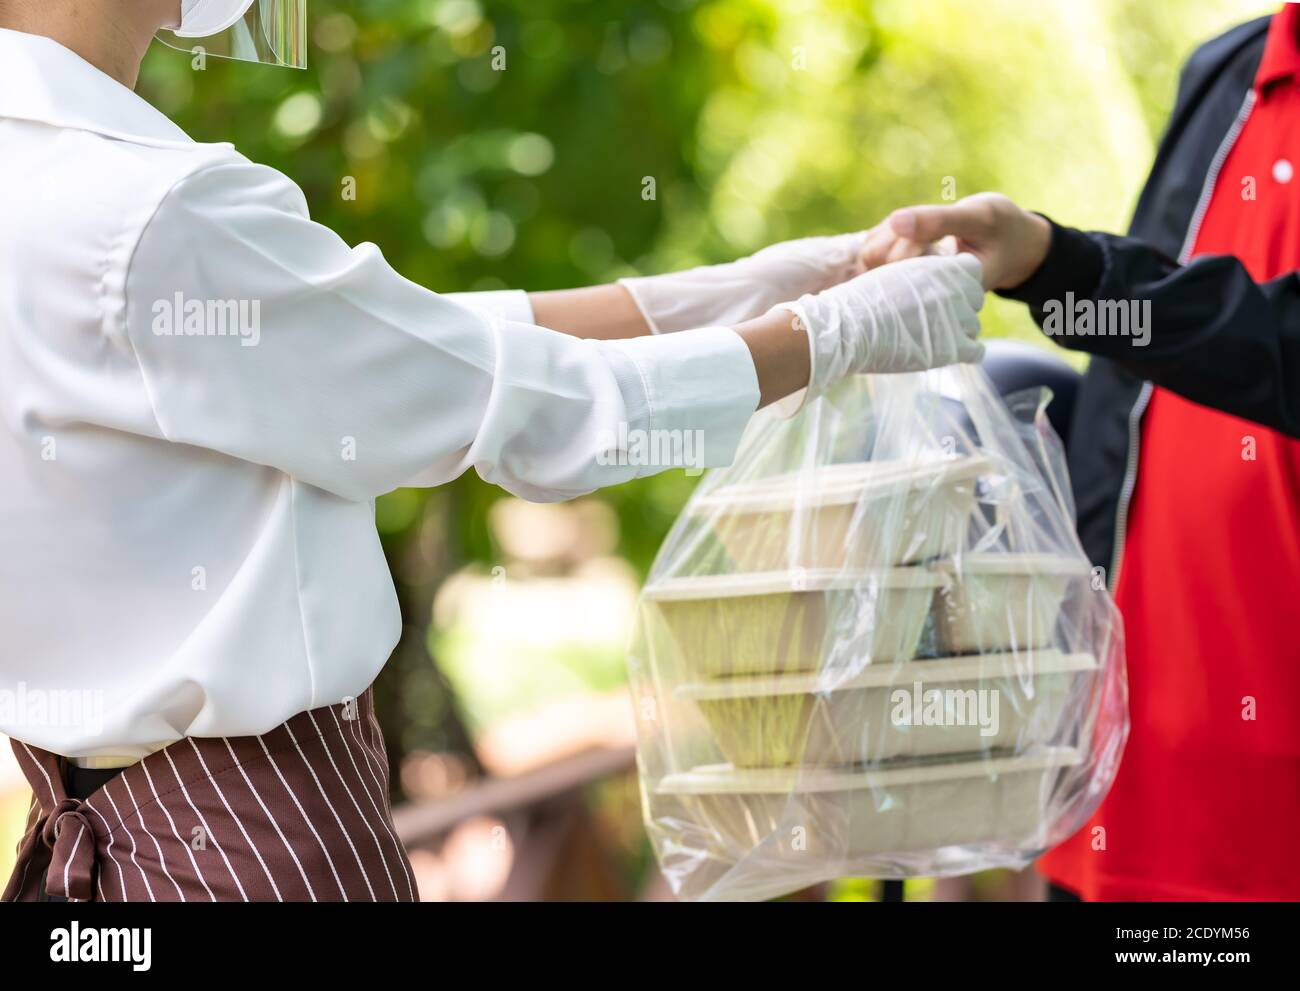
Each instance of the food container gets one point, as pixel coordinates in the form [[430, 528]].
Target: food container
[[850, 815], [846, 516], [984, 703], [783, 622], [994, 602]]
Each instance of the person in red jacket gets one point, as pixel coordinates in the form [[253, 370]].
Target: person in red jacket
[[1186, 467]]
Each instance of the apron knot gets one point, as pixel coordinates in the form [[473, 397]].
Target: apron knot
[[68, 833]]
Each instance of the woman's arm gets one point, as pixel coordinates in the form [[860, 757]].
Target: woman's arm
[[780, 352], [710, 295], [355, 380], [602, 313]]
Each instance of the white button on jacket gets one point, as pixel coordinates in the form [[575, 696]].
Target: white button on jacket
[[201, 394]]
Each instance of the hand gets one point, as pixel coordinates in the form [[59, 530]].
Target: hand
[[1011, 243], [917, 314], [741, 290]]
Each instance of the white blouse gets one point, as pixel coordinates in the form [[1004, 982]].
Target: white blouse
[[201, 394]]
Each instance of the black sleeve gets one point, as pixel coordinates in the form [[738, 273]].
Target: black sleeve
[[1206, 330]]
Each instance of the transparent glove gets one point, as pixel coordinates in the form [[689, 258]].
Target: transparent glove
[[741, 290], [908, 316]]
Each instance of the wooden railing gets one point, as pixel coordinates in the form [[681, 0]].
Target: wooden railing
[[558, 854]]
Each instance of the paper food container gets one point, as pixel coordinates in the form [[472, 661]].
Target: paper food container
[[867, 514], [783, 622], [917, 709], [993, 602], [853, 815]]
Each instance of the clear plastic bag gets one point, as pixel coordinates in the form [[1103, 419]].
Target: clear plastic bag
[[874, 647]]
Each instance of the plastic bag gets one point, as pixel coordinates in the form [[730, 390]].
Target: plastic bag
[[874, 647], [1028, 407]]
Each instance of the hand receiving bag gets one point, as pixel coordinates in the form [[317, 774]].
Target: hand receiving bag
[[873, 646]]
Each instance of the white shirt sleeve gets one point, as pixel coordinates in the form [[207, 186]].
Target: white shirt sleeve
[[507, 304], [262, 335]]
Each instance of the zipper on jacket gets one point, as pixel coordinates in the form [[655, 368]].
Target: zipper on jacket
[[1130, 483], [1144, 397]]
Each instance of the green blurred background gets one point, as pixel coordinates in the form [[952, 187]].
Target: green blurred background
[[758, 120]]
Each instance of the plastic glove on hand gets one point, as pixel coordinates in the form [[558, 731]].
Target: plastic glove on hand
[[909, 316], [750, 287]]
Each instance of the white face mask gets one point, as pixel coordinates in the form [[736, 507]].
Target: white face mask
[[204, 18]]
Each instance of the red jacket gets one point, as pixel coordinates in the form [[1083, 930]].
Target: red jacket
[[1206, 804]]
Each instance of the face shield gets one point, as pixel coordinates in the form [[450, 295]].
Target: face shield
[[270, 31]]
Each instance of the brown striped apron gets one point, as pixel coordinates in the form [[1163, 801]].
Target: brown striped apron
[[300, 813]]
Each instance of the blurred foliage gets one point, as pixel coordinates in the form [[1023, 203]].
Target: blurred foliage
[[758, 120]]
